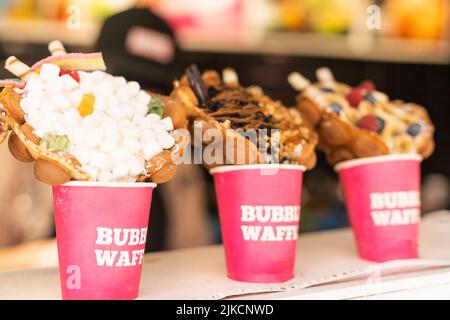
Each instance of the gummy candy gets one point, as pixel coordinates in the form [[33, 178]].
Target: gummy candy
[[55, 142], [156, 106], [86, 106], [73, 74]]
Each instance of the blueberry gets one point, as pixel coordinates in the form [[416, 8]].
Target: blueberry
[[369, 97], [326, 89], [414, 129], [336, 107], [380, 125]]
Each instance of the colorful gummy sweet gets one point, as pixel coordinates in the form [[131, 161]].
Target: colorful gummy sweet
[[86, 106]]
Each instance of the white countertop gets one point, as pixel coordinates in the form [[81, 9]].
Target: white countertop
[[327, 267]]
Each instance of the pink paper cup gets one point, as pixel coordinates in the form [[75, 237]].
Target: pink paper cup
[[101, 229], [382, 196], [259, 211]]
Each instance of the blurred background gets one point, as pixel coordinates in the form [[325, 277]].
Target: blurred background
[[401, 45]]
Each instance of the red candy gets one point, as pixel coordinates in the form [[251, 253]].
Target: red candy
[[368, 122], [73, 74], [368, 85], [355, 97]]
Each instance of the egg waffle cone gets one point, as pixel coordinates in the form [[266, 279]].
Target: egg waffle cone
[[230, 109], [58, 167], [344, 134]]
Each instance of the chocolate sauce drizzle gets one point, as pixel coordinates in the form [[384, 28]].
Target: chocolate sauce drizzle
[[232, 103]]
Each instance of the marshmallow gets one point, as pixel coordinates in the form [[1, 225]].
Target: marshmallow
[[68, 83], [98, 160], [120, 170], [98, 76], [129, 132], [54, 86], [100, 103], [110, 131], [165, 140], [34, 84], [121, 155], [105, 176], [71, 118], [35, 99], [133, 88], [107, 146], [60, 101], [120, 83], [49, 71], [132, 145], [153, 117], [89, 122], [105, 88], [123, 95], [87, 85], [112, 101], [147, 135], [116, 112], [82, 155], [84, 75], [25, 105], [135, 166], [93, 172], [151, 148], [167, 123], [100, 116], [94, 137], [140, 110], [75, 97], [76, 136], [129, 111], [144, 97]]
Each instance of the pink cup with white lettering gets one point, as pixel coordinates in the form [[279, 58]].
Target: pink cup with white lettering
[[101, 229], [259, 210], [382, 196]]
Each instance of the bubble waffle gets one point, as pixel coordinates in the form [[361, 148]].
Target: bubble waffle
[[222, 103], [57, 154], [361, 122]]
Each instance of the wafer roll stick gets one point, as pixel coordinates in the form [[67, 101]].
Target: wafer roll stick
[[56, 48], [298, 82], [19, 69], [230, 76], [325, 76]]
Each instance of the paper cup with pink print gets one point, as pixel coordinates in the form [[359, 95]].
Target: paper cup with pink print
[[382, 196], [101, 230], [259, 210]]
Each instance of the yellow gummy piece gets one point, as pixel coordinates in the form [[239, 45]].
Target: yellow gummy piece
[[86, 106]]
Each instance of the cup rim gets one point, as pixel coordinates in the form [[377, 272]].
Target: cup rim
[[385, 158], [109, 184], [228, 168]]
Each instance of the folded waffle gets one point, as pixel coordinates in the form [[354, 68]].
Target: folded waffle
[[361, 121], [221, 103], [54, 165]]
